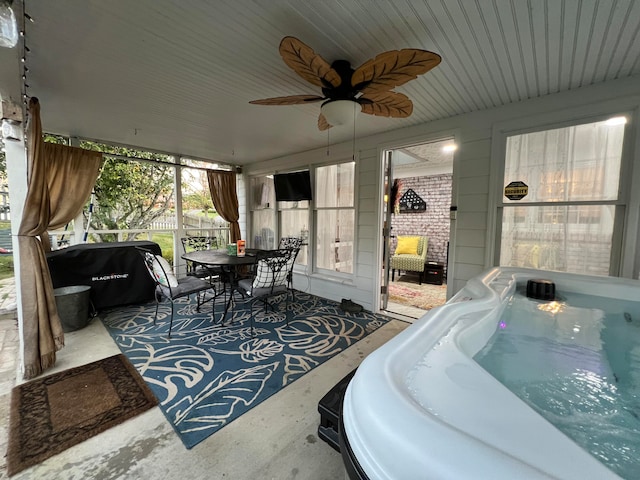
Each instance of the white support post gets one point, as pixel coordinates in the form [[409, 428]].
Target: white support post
[[16, 155], [178, 262], [78, 222]]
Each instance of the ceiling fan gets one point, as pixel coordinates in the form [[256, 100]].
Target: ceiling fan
[[368, 86]]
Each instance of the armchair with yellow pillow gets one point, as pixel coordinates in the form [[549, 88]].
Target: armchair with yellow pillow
[[410, 255]]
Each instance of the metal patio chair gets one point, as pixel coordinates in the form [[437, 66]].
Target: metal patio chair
[[269, 280], [294, 244], [170, 287], [193, 243]]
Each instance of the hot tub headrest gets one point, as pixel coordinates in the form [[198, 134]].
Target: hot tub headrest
[[541, 289]]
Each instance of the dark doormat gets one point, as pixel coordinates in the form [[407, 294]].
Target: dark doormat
[[50, 414]]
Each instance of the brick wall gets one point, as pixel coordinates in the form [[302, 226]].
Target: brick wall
[[434, 222]]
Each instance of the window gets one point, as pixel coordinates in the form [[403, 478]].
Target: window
[[263, 202], [294, 221], [335, 217], [567, 221], [293, 218]]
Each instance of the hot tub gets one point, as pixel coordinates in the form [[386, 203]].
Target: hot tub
[[421, 407]]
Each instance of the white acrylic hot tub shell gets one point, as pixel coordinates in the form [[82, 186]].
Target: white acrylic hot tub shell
[[420, 407]]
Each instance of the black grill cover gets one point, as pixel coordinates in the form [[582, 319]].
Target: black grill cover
[[115, 271]]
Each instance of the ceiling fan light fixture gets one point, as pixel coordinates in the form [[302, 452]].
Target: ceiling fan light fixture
[[8, 25], [339, 112]]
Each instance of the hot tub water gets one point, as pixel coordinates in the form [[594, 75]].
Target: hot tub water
[[453, 419], [576, 361]]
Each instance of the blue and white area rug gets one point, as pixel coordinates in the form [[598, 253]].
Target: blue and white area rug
[[207, 375]]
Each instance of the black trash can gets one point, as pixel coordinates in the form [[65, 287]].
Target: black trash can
[[73, 306]]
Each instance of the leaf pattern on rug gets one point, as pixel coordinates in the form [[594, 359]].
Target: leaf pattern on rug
[[253, 350], [132, 322], [229, 389], [259, 349], [320, 336], [295, 366], [167, 366], [224, 335], [373, 325], [208, 374], [269, 317]]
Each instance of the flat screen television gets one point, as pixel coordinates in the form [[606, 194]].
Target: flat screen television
[[292, 187]]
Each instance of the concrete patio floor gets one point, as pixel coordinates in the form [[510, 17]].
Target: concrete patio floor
[[275, 440]]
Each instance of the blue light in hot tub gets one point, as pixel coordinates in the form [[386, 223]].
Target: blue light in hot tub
[[502, 324]]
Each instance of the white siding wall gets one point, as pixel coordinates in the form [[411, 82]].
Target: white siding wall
[[475, 181], [471, 172], [367, 212]]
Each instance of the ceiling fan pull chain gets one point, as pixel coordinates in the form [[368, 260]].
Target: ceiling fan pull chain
[[353, 152], [328, 142]]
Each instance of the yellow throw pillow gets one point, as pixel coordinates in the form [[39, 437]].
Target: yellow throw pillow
[[407, 245]]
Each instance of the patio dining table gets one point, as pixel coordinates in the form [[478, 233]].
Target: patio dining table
[[229, 264]]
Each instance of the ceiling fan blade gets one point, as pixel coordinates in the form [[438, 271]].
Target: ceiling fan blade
[[289, 100], [322, 123], [386, 104], [307, 63], [393, 68]]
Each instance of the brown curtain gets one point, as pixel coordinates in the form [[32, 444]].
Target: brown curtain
[[225, 199], [48, 197], [71, 175]]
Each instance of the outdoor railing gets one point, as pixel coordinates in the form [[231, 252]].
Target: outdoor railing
[[65, 238], [168, 221]]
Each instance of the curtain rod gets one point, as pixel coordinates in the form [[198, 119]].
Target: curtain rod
[[162, 162], [236, 168]]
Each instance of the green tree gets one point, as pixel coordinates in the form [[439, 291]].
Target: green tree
[[198, 200], [51, 138], [130, 194], [195, 187], [47, 138]]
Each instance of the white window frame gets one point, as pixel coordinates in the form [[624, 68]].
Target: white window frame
[[299, 266], [621, 247], [276, 212], [273, 209], [313, 245]]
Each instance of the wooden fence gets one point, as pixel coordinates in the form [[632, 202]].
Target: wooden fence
[[167, 221]]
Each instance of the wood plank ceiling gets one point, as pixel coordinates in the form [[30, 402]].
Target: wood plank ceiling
[[177, 75]]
